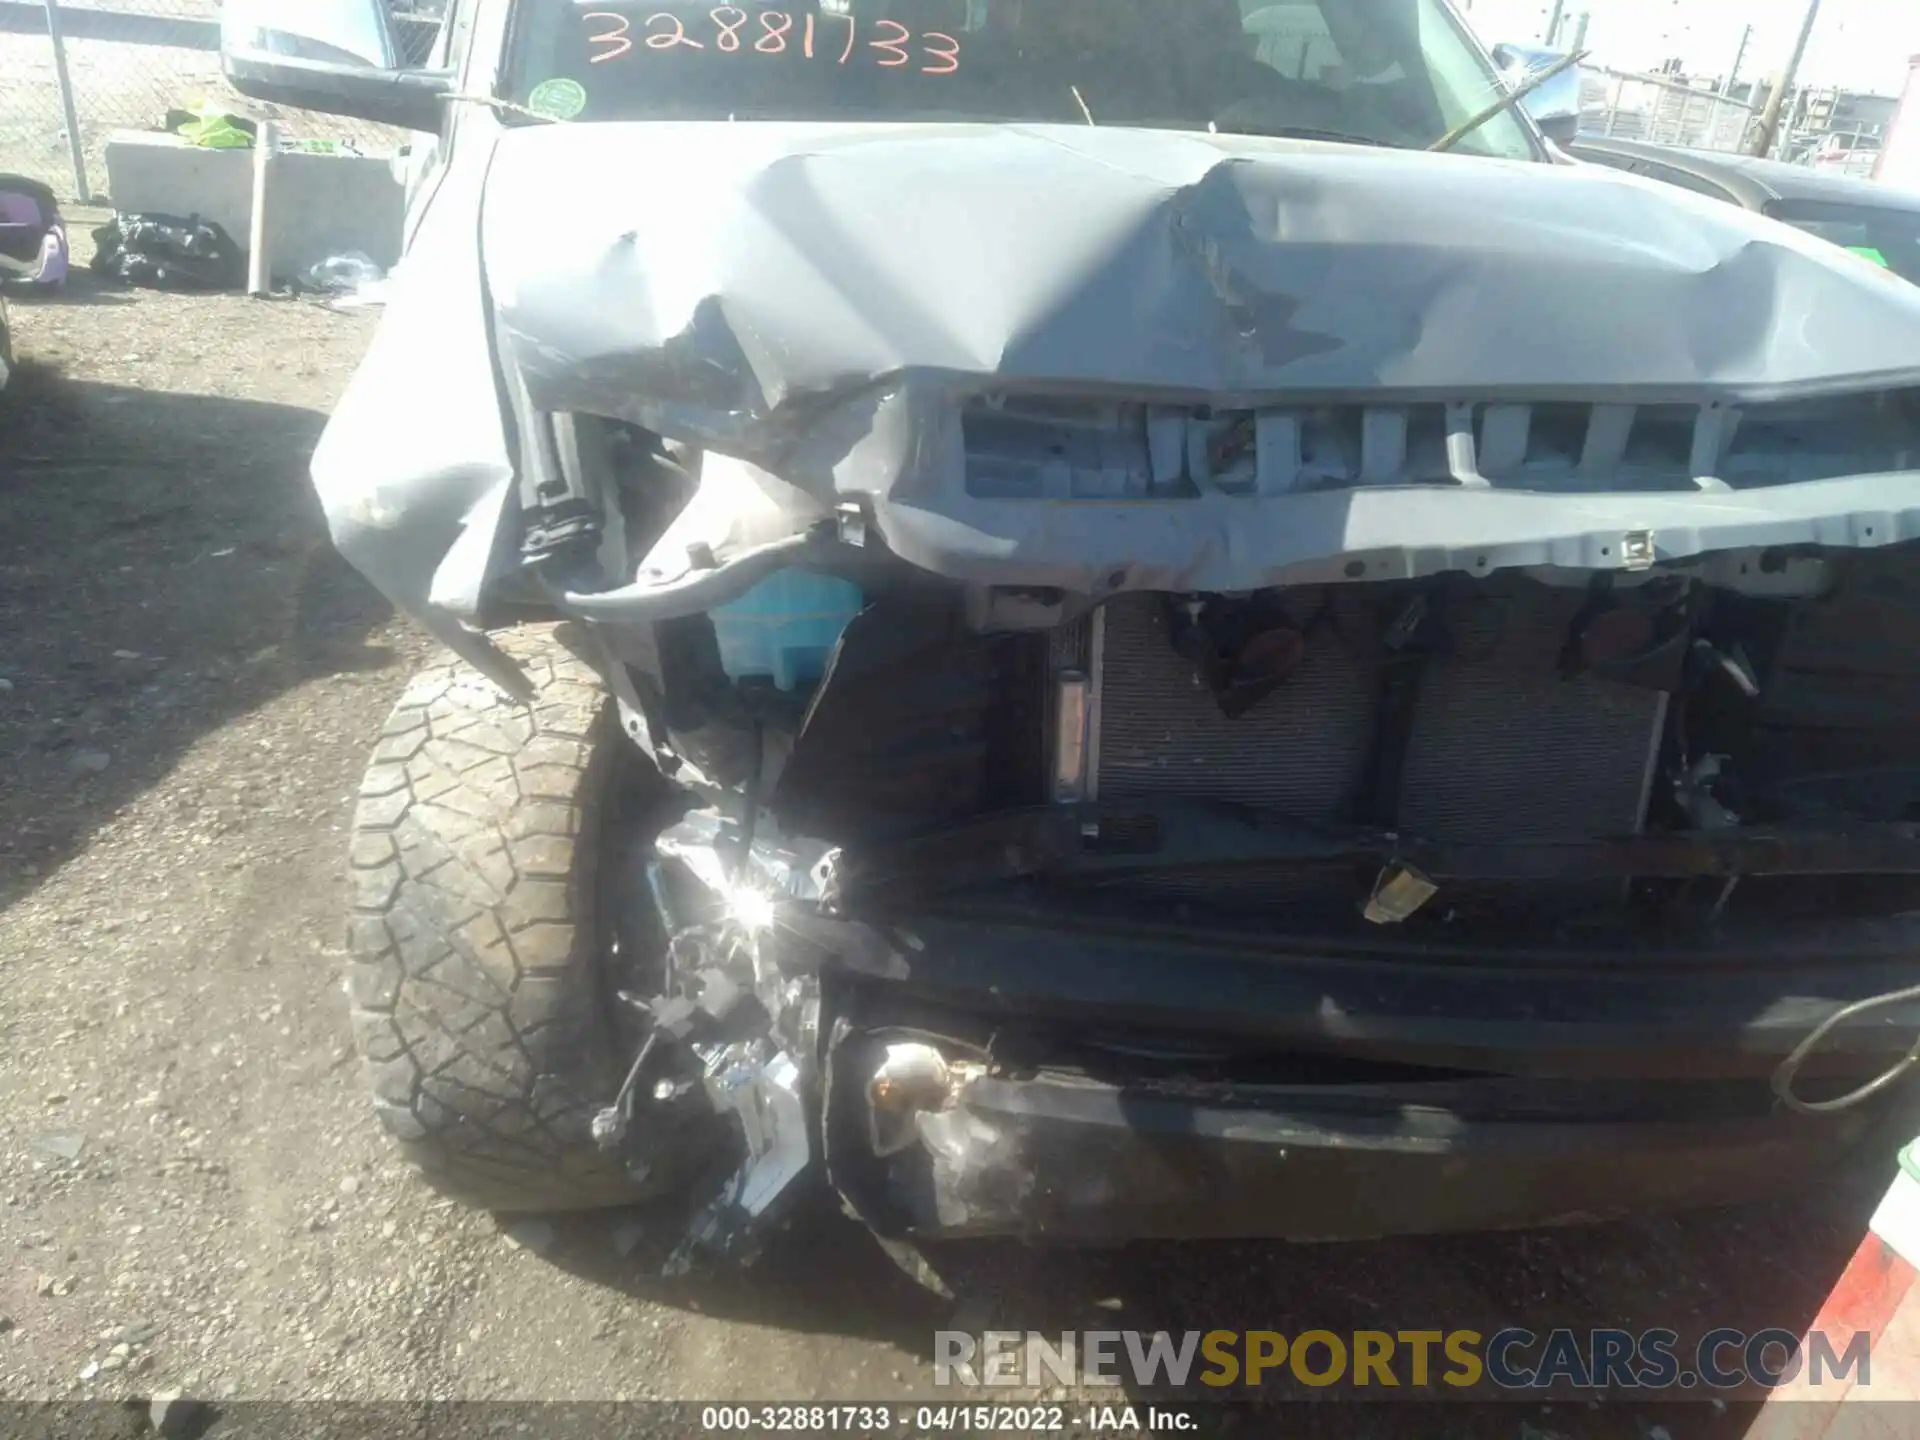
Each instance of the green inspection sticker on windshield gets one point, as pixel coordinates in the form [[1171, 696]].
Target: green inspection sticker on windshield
[[560, 99], [1867, 252]]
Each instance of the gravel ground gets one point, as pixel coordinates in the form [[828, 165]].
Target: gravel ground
[[192, 1193]]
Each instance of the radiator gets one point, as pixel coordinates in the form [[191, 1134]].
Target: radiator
[[1502, 747]]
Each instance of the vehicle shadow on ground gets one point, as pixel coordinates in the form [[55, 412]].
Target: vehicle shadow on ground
[[163, 568], [818, 1272], [80, 290], [1767, 1265]]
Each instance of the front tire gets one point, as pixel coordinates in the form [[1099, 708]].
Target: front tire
[[479, 1006]]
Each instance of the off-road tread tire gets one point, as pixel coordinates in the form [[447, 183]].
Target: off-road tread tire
[[474, 968]]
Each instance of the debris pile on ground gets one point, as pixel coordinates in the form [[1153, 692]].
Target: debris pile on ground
[[169, 252]]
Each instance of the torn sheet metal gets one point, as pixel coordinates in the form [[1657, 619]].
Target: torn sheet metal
[[797, 262], [414, 469], [802, 298], [765, 1091], [779, 908], [809, 302], [750, 877], [760, 1078]]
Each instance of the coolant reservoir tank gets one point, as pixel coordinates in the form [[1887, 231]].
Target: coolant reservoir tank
[[785, 627]]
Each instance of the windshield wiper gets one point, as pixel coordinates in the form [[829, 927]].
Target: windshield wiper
[[1308, 132], [1506, 102], [504, 107]]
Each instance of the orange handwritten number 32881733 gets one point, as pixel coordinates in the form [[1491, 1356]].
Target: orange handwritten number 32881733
[[675, 34], [941, 51], [615, 38], [893, 45], [774, 25], [948, 52], [727, 37]]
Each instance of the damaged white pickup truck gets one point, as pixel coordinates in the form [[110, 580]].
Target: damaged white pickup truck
[[1142, 650]]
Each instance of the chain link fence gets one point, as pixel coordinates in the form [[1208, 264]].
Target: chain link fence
[[1663, 111], [129, 62]]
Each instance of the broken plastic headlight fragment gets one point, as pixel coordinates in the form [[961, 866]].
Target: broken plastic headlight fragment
[[732, 863], [762, 1088], [755, 1069]]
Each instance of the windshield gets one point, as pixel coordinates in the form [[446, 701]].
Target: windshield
[[1890, 238], [1384, 72]]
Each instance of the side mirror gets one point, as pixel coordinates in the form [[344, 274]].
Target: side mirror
[[338, 57], [1555, 106]]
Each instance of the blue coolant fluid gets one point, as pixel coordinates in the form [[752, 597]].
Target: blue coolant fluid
[[785, 627]]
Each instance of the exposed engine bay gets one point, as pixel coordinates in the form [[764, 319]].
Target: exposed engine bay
[[1523, 725], [1520, 761]]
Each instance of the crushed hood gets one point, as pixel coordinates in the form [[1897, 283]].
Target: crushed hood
[[823, 302], [820, 302], [738, 273]]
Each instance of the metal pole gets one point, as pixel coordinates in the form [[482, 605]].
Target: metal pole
[[1553, 22], [1769, 127], [266, 142], [1739, 58], [75, 149], [1580, 30], [1796, 120]]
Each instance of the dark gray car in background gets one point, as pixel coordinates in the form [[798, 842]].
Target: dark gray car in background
[[1875, 221]]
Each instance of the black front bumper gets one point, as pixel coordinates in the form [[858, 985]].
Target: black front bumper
[[1186, 1084]]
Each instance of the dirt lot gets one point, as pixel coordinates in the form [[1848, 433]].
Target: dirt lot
[[187, 1169]]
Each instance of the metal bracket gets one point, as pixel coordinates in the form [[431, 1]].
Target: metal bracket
[[766, 1096]]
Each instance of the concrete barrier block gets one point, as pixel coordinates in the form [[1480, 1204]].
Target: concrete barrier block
[[321, 205]]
